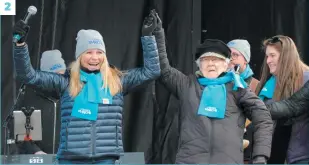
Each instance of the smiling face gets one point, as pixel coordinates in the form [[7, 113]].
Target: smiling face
[[272, 58], [92, 59], [212, 67]]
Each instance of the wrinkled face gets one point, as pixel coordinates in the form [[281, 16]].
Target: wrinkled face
[[212, 67], [92, 59], [272, 56], [237, 59]]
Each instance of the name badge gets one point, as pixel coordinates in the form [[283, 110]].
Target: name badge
[[105, 101]]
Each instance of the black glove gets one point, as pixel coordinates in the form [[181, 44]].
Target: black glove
[[22, 29], [259, 160], [150, 23], [159, 23]]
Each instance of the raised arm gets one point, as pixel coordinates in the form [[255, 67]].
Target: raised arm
[[149, 72], [294, 106], [46, 81], [257, 112], [151, 69], [43, 80], [174, 80]]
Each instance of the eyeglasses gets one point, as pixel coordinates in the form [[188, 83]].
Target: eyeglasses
[[234, 55]]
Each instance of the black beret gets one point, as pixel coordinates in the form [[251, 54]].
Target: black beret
[[213, 45]]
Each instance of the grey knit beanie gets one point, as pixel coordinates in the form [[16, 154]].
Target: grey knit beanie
[[88, 39], [52, 61], [242, 46]]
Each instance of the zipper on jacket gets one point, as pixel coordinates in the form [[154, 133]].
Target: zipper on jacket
[[92, 137], [117, 144], [211, 141], [67, 135]]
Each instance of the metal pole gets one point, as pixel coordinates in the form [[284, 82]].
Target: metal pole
[[55, 120], [55, 25], [14, 72], [196, 28], [40, 36]]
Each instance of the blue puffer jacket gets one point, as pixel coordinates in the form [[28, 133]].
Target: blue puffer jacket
[[84, 139]]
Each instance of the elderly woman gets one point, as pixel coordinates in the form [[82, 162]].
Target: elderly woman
[[214, 107], [91, 94]]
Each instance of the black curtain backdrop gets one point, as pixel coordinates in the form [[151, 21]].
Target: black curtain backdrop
[[228, 20], [151, 124]]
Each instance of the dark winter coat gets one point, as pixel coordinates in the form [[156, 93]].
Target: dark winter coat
[[214, 141]]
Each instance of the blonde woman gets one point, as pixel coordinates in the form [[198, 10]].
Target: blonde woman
[[283, 73], [91, 94]]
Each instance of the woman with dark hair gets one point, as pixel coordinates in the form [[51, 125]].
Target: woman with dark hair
[[283, 73]]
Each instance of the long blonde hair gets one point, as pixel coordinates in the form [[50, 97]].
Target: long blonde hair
[[110, 75], [290, 68]]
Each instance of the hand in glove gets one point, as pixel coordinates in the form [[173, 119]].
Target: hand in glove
[[259, 160], [22, 29], [150, 23], [159, 23]]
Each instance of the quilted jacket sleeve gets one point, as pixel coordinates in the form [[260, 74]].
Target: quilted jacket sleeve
[[150, 71], [173, 79], [256, 111], [294, 106], [46, 81]]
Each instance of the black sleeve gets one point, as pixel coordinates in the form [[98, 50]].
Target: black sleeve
[[294, 106], [27, 147], [174, 80], [256, 111]]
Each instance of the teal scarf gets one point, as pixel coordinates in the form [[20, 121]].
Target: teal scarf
[[246, 73], [268, 89], [92, 94], [213, 101]]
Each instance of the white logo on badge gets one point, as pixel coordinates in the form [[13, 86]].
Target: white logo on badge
[[211, 109], [105, 101], [84, 111], [264, 89]]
